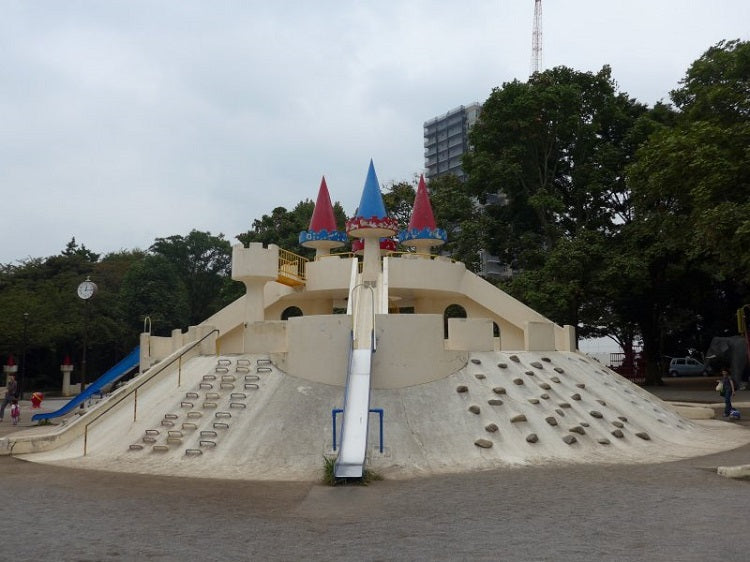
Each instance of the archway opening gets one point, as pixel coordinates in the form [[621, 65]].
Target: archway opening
[[291, 312], [452, 311]]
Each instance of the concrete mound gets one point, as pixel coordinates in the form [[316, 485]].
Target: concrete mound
[[240, 417]]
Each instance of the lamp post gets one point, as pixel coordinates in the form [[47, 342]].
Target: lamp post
[[23, 355]]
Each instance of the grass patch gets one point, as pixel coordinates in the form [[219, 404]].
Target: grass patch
[[329, 478]]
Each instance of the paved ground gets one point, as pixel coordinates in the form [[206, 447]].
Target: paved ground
[[676, 511]]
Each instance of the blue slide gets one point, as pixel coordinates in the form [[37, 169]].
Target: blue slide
[[122, 368]]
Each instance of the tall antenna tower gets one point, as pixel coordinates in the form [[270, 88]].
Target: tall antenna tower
[[536, 38]]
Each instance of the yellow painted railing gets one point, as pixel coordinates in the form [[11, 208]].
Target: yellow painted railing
[[291, 268]]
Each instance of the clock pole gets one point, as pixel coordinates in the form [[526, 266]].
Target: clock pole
[[86, 290]]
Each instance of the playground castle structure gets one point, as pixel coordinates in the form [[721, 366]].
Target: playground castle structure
[[282, 376]]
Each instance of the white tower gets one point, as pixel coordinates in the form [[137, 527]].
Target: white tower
[[536, 38]]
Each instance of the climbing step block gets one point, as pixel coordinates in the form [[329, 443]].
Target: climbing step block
[[222, 415], [241, 369], [228, 378], [224, 362], [136, 447], [210, 405], [212, 395], [185, 404], [209, 377], [263, 362], [238, 396], [194, 414], [191, 395], [251, 386], [148, 439], [189, 426], [227, 386], [206, 385], [167, 423], [221, 425], [152, 432], [208, 433], [237, 405], [263, 370], [160, 448], [207, 443], [221, 369], [171, 416], [251, 378], [193, 452]]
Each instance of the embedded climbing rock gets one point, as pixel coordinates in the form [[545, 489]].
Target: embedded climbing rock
[[476, 361], [581, 385], [462, 388], [518, 418], [545, 386], [518, 381], [576, 396], [474, 409], [602, 402], [514, 358], [559, 370], [552, 420], [618, 424], [498, 390], [577, 429], [495, 402], [529, 373], [618, 433], [643, 435], [554, 379], [537, 365], [532, 438], [560, 412], [595, 414], [492, 428], [533, 400], [603, 441], [569, 439], [502, 365], [546, 359], [480, 376], [483, 443], [622, 418], [564, 405], [544, 396]]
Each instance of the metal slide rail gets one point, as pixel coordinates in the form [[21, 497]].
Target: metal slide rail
[[335, 414], [132, 389], [355, 314]]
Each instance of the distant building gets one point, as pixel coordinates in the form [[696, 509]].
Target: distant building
[[446, 140]]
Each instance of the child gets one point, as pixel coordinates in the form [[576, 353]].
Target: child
[[15, 411]]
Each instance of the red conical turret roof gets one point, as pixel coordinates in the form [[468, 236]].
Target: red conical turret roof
[[421, 216], [323, 217]]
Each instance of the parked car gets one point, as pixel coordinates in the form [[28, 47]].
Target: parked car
[[687, 367]]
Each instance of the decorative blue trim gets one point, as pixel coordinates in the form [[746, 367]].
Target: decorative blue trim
[[422, 234]]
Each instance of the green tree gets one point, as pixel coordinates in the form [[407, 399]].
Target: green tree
[[691, 187], [283, 227], [548, 161], [153, 287], [203, 263]]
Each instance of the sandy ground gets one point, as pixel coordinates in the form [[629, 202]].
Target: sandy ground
[[671, 511]]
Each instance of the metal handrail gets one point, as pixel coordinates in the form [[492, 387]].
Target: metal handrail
[[133, 389], [297, 263]]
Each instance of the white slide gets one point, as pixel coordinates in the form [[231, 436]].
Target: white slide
[[354, 428], [351, 459]]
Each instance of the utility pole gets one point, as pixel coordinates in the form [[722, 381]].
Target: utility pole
[[536, 38]]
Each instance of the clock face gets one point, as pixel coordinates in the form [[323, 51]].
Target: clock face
[[86, 289]]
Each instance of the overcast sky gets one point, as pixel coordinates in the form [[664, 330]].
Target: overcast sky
[[123, 121]]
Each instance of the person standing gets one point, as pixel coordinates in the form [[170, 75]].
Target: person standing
[[727, 389], [10, 394]]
